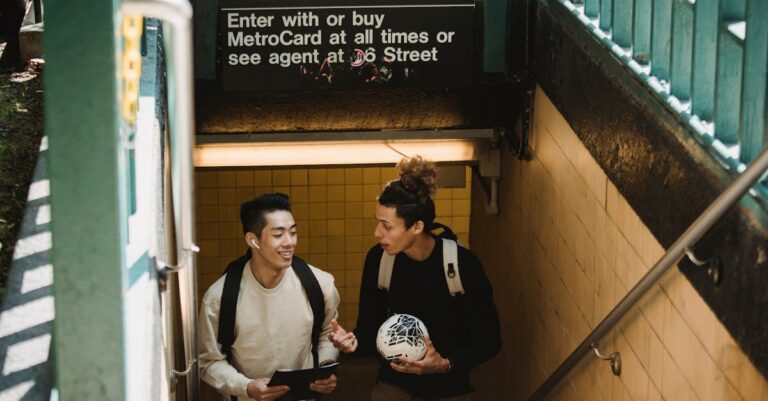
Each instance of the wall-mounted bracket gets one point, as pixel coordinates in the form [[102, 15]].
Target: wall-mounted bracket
[[490, 169], [518, 137], [615, 359], [175, 374], [713, 265]]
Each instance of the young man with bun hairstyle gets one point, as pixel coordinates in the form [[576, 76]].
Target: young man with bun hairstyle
[[463, 329], [279, 310]]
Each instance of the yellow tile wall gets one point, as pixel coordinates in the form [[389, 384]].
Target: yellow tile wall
[[562, 253], [333, 208]]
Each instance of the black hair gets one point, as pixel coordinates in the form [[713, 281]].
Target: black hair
[[411, 194], [253, 212]]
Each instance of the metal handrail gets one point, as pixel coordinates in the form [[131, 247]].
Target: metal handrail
[[691, 236], [178, 13]]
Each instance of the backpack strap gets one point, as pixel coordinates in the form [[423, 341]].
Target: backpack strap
[[451, 267], [316, 301], [446, 233], [228, 305], [385, 270]]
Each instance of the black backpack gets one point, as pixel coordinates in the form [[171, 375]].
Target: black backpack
[[231, 291]]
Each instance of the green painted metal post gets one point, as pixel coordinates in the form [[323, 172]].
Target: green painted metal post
[[661, 38], [606, 14], [704, 58], [682, 49], [753, 111], [622, 22], [732, 10], [496, 14], [641, 38], [81, 121], [592, 8], [730, 56]]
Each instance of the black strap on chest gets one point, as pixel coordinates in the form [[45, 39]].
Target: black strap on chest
[[231, 291]]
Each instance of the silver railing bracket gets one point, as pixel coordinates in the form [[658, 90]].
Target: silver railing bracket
[[715, 271], [164, 268], [614, 358], [175, 374], [696, 261], [714, 266]]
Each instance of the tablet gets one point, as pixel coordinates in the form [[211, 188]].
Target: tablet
[[299, 380]]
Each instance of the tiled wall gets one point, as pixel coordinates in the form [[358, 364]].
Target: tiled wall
[[333, 208], [564, 250]]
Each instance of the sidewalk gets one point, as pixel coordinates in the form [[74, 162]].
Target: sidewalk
[[26, 320]]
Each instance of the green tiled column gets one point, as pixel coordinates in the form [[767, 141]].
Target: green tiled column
[[81, 121]]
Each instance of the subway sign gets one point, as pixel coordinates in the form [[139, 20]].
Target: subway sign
[[313, 44]]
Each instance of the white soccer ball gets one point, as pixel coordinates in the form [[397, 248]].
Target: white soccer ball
[[402, 336]]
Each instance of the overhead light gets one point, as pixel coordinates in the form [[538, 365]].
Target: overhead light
[[315, 153]]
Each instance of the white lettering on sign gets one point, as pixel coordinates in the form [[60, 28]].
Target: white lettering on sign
[[235, 20], [397, 54], [378, 45], [301, 19], [245, 59], [389, 37], [374, 20], [284, 38], [288, 59]]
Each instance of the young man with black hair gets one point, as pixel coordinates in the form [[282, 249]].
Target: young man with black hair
[[275, 323]]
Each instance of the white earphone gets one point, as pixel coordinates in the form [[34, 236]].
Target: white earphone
[[253, 241]]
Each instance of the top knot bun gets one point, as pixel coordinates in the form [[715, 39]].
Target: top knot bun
[[418, 176]]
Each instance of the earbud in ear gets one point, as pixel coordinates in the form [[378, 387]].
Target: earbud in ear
[[253, 241]]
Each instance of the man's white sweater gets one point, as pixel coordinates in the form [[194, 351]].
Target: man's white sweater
[[273, 329]]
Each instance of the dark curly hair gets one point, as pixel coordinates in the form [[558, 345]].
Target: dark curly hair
[[411, 194]]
